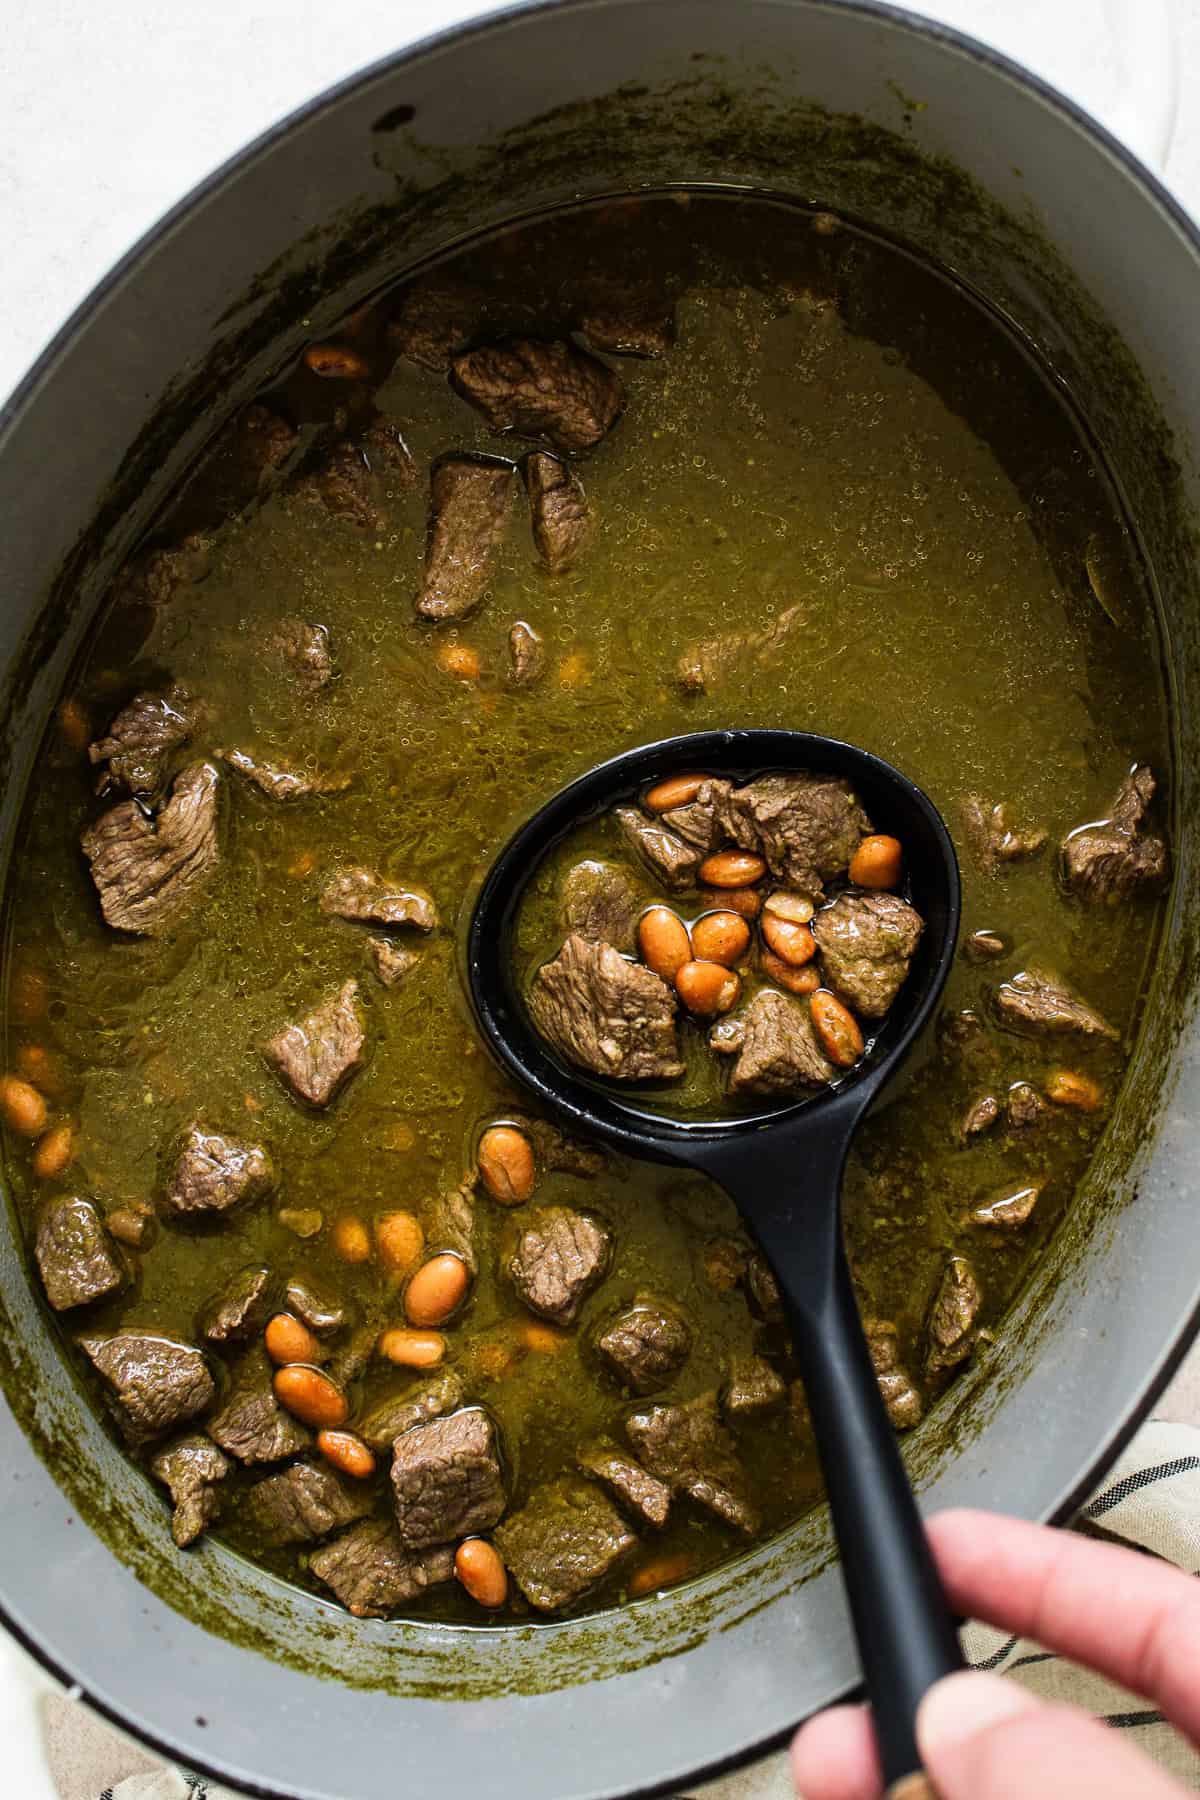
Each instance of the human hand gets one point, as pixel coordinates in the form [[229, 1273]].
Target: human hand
[[983, 1737]]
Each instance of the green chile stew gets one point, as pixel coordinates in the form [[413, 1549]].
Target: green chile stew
[[613, 474]]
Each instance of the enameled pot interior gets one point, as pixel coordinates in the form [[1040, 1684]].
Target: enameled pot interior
[[925, 138]]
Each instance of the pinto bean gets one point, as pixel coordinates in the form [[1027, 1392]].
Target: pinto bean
[[506, 1165], [837, 1028], [676, 790], [732, 869], [351, 1240], [663, 1571], [24, 1109], [74, 725], [793, 944], [399, 1240], [746, 901], [55, 1152], [877, 863], [663, 941], [29, 993], [707, 988], [288, 1340], [720, 937], [412, 1349], [347, 1452], [544, 1340], [336, 362], [1067, 1087], [437, 1290], [314, 1397], [481, 1570], [804, 980], [458, 660]]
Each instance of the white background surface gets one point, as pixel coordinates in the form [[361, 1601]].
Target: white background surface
[[110, 112]]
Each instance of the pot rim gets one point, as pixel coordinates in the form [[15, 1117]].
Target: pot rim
[[917, 25]]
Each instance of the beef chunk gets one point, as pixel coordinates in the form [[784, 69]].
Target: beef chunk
[[419, 1403], [252, 1425], [777, 1050], [763, 1287], [319, 1054], [963, 1038], [446, 1479], [629, 321], [689, 1448], [448, 1220], [668, 857], [867, 942], [155, 1382], [605, 1014], [558, 510], [980, 1116], [148, 871], [140, 741], [369, 898], [701, 822], [984, 946], [806, 826], [647, 1344], [753, 1387], [994, 837], [348, 477], [643, 1496], [900, 1396], [1038, 1003], [303, 1503], [77, 1258], [372, 1573], [541, 390], [1108, 862], [321, 1312], [1009, 1207], [163, 572], [555, 1149], [190, 1469], [214, 1173], [264, 443], [303, 650], [526, 654], [560, 1257], [952, 1316], [714, 662], [391, 961], [600, 901], [1023, 1105], [279, 782], [239, 1310], [434, 318], [562, 1542], [470, 499]]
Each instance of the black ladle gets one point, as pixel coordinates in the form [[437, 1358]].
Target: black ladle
[[782, 1166]]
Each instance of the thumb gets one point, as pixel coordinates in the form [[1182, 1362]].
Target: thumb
[[982, 1737]]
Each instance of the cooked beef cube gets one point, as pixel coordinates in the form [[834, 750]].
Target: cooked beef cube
[[190, 1469], [763, 1287], [689, 1448], [711, 662], [992, 835], [320, 1311], [148, 871], [674, 862], [558, 510], [1010, 1207], [1039, 1003], [391, 961], [867, 942], [702, 821], [252, 1425], [984, 946], [980, 1116], [555, 1149], [900, 1396], [629, 321], [724, 1264], [777, 1050], [265, 441], [952, 1316], [140, 741], [365, 896], [155, 1382], [372, 1573], [165, 571], [303, 1503], [647, 1344], [76, 1256], [420, 1402], [560, 1257], [605, 1014], [434, 319], [448, 1219], [278, 782], [239, 1310], [341, 479], [214, 1173], [964, 1037], [600, 901], [1023, 1105], [806, 826], [526, 654], [1110, 861], [446, 1479], [753, 1387], [541, 390], [562, 1542], [470, 499], [318, 1054], [641, 1494], [304, 651]]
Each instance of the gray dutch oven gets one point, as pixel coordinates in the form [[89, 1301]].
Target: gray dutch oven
[[917, 132]]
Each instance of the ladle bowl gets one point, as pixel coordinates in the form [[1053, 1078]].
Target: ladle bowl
[[782, 1165]]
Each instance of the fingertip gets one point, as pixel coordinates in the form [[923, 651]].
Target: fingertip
[[960, 1706], [834, 1756]]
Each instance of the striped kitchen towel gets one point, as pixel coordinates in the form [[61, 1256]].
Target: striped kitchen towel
[[1151, 1500]]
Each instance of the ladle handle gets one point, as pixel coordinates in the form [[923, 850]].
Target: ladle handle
[[906, 1636]]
